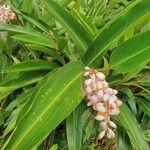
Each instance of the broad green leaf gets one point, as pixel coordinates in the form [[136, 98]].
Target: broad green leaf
[[74, 129], [27, 5], [46, 50], [36, 39], [122, 140], [36, 21], [130, 54], [32, 65], [21, 99], [51, 103], [133, 73], [76, 31], [114, 29], [24, 79], [134, 131], [144, 105], [18, 29]]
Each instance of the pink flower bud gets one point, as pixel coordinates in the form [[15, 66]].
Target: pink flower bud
[[112, 124], [100, 94], [100, 118], [111, 132], [101, 135], [100, 75], [106, 97]]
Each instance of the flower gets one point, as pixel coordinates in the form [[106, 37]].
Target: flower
[[103, 100], [6, 14]]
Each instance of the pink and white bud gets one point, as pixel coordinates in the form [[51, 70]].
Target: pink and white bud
[[119, 103], [109, 136], [101, 135], [100, 75], [99, 85], [93, 77], [106, 97], [89, 103], [88, 90], [115, 92], [109, 91], [86, 68], [87, 82], [100, 94], [86, 73], [94, 99], [100, 108], [104, 125], [112, 124], [114, 111], [111, 132], [100, 118]]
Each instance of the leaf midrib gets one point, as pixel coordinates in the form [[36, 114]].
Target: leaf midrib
[[134, 55], [45, 110]]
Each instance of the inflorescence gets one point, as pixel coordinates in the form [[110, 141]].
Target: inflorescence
[[103, 100], [6, 14]]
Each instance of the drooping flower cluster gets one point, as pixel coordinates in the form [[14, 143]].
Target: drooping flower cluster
[[103, 100], [6, 14]]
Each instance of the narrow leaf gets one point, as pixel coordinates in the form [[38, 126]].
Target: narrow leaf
[[52, 102], [76, 31], [32, 65], [130, 54], [134, 131]]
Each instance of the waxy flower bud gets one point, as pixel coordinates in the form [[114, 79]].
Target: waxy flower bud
[[103, 99]]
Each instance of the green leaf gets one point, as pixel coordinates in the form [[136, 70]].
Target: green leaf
[[32, 65], [134, 131], [46, 51], [18, 29], [130, 54], [74, 129], [51, 102], [36, 21], [114, 29], [27, 5], [76, 31], [122, 140], [35, 39], [24, 79], [144, 105]]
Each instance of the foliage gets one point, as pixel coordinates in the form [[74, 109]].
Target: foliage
[[42, 58]]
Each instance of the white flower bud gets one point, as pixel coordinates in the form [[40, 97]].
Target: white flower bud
[[106, 97], [115, 92], [104, 125], [100, 108], [113, 105], [114, 111], [108, 135], [93, 78], [109, 91], [88, 90], [86, 68], [100, 118], [86, 73], [88, 82], [112, 124], [100, 94], [99, 85], [111, 132], [100, 75], [119, 103], [101, 135], [94, 99], [89, 103]]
